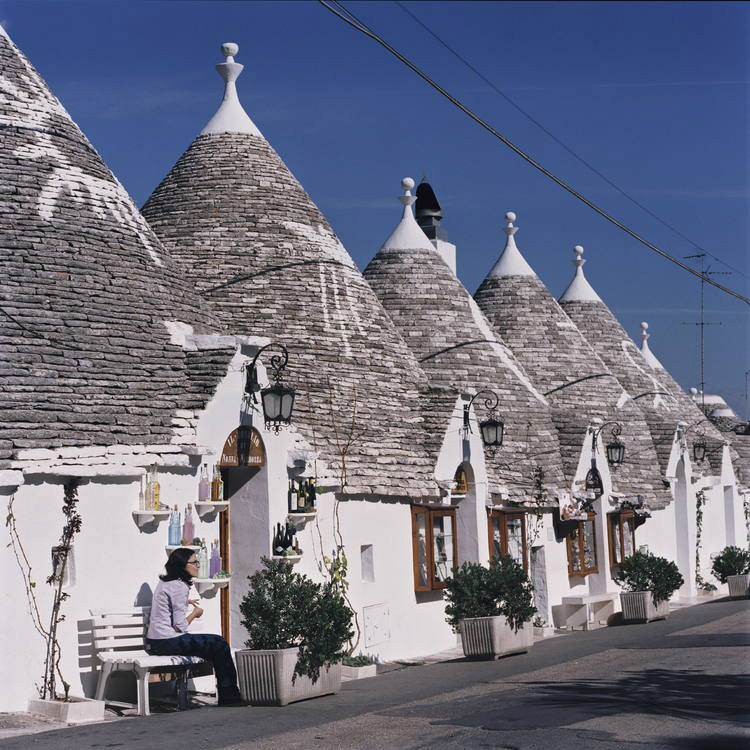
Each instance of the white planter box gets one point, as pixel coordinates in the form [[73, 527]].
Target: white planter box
[[488, 637], [638, 606], [75, 711], [358, 673], [739, 586], [265, 678]]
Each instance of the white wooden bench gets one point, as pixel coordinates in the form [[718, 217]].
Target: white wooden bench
[[585, 609], [119, 640]]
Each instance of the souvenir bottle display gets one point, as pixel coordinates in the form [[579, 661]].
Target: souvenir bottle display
[[214, 564], [217, 486], [188, 530], [203, 568], [204, 486], [174, 537], [283, 539]]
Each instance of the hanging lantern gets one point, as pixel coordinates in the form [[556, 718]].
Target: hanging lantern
[[492, 432], [699, 449], [615, 452], [278, 402]]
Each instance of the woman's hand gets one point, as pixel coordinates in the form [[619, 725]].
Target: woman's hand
[[196, 613], [194, 602]]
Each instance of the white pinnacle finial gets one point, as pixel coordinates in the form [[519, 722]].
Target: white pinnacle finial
[[648, 355], [694, 391], [644, 331], [230, 117], [408, 235], [511, 262], [579, 290]]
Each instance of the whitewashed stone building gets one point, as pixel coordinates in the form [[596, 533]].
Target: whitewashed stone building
[[125, 340]]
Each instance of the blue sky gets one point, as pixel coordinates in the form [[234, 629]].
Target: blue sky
[[654, 95]]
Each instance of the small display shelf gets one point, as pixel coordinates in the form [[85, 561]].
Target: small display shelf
[[206, 586], [289, 558], [146, 517], [300, 520], [172, 547], [209, 509]]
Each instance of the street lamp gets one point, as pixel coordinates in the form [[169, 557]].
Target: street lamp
[[615, 449], [277, 399], [699, 445], [491, 429]]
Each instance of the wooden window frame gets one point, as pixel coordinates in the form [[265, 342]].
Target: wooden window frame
[[620, 516], [504, 516], [569, 540], [430, 512]]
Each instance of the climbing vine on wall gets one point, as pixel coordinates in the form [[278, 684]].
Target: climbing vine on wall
[[700, 501]]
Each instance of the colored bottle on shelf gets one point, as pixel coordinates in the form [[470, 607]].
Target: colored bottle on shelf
[[155, 489], [188, 530], [204, 486], [174, 528], [301, 499], [292, 497], [214, 564], [312, 494], [203, 568], [142, 495], [217, 486]]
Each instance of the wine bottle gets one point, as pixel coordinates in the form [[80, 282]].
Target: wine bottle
[[204, 486], [188, 530], [295, 496], [301, 499], [291, 506], [312, 494]]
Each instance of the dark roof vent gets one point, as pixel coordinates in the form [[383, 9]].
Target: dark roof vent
[[428, 212]]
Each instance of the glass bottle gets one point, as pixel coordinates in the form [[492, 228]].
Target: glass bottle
[[203, 568], [293, 496], [188, 530], [174, 528], [217, 486], [204, 486], [214, 564], [312, 494], [155, 489], [301, 499], [142, 494]]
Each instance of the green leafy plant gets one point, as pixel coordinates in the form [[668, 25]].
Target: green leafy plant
[[501, 589], [284, 609], [731, 561], [643, 571], [361, 660]]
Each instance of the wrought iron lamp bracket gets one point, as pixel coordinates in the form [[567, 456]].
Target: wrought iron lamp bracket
[[491, 401]]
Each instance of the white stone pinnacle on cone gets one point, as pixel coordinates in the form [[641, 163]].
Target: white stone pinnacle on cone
[[579, 289], [230, 117], [511, 262], [648, 355], [408, 235]]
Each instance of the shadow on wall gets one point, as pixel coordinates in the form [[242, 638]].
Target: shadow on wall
[[121, 685]]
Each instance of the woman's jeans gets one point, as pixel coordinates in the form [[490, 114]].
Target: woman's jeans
[[210, 647]]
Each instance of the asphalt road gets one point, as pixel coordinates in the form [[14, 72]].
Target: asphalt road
[[679, 683]]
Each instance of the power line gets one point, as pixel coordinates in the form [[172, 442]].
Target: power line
[[559, 142], [349, 18]]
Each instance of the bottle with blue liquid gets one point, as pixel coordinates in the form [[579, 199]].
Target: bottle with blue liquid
[[174, 533]]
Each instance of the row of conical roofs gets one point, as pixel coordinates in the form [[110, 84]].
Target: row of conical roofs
[[233, 243]]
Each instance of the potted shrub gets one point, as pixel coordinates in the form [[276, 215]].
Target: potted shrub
[[732, 566], [296, 634], [357, 667], [649, 581], [491, 608]]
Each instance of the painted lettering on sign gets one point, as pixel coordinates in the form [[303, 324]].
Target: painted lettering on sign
[[235, 446]]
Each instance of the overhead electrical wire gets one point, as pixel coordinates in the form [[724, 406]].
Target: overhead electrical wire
[[345, 15], [561, 143]]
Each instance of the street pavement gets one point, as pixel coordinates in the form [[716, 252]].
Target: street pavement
[[683, 682]]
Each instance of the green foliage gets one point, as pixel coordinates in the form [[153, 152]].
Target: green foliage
[[731, 561], [357, 661], [501, 589], [284, 609], [643, 571]]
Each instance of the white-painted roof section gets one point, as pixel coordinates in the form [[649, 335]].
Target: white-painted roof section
[[230, 117], [579, 289], [511, 262], [408, 235], [723, 411], [648, 355]]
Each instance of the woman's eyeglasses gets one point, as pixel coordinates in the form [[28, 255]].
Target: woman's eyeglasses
[[192, 562]]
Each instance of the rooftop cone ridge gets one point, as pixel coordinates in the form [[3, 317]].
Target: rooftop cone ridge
[[93, 299], [662, 401], [579, 289], [408, 234], [266, 261], [648, 355], [511, 262], [230, 117], [579, 387], [456, 346]]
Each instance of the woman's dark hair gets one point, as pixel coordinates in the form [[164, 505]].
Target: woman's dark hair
[[176, 566]]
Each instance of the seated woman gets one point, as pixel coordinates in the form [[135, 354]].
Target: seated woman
[[168, 627]]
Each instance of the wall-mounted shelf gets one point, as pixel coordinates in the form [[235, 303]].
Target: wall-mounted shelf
[[207, 587], [300, 520], [289, 558], [147, 517], [210, 509]]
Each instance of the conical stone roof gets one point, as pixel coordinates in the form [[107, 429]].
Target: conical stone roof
[[266, 261], [661, 400], [562, 365], [457, 348], [88, 295]]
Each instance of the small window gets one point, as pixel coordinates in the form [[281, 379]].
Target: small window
[[461, 484], [508, 536], [621, 528], [367, 563], [581, 544], [434, 546]]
